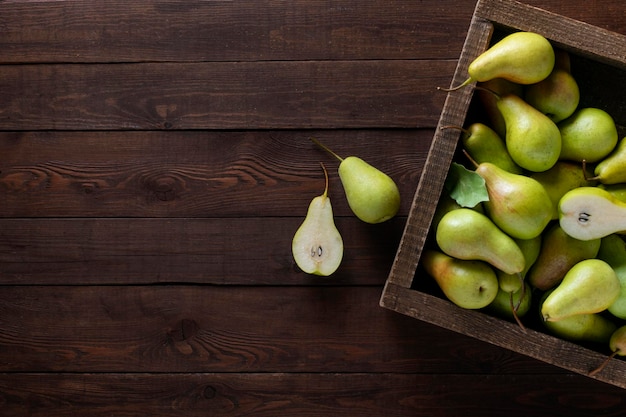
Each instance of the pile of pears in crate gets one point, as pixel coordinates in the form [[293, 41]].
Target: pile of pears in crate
[[532, 213]]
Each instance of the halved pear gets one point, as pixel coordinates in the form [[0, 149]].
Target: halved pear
[[317, 246], [587, 213]]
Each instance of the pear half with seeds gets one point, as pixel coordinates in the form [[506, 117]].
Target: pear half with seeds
[[587, 213], [317, 246]]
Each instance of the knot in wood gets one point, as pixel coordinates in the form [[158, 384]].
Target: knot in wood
[[164, 188], [184, 330]]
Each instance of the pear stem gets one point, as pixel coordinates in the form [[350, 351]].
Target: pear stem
[[472, 161], [481, 88], [326, 178], [604, 363], [461, 128], [584, 164], [326, 148], [458, 87], [515, 316]]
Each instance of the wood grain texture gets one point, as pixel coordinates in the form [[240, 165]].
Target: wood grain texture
[[183, 250], [180, 328], [192, 174], [303, 394], [223, 95]]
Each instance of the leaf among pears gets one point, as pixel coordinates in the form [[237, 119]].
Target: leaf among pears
[[465, 186]]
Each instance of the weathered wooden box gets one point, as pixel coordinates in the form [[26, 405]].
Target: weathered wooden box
[[599, 64]]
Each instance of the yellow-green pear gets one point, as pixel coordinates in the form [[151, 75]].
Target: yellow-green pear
[[317, 246], [616, 190], [561, 178], [521, 57], [591, 213], [612, 169], [488, 93], [589, 287], [512, 305], [483, 144], [583, 328], [372, 195], [469, 235], [532, 139], [531, 248], [559, 253], [518, 204], [558, 95], [590, 134], [613, 251], [468, 284]]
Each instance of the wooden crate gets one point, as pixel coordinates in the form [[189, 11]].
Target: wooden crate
[[599, 64]]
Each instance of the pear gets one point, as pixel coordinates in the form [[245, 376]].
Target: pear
[[558, 95], [521, 57], [532, 139], [372, 195], [612, 169], [518, 204], [583, 328], [591, 213], [561, 178], [512, 305], [468, 284], [466, 234], [531, 248], [559, 253], [488, 100], [590, 134], [483, 144], [617, 344], [317, 246], [616, 190], [589, 287], [613, 251]]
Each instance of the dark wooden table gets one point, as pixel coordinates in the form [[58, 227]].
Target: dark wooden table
[[154, 165]]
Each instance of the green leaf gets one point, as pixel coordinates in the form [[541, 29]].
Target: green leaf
[[466, 187]]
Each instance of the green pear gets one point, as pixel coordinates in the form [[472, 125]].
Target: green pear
[[583, 328], [468, 284], [488, 101], [532, 139], [518, 204], [466, 234], [483, 144], [558, 95], [317, 246], [591, 213], [616, 190], [613, 251], [559, 253], [612, 169], [589, 287], [561, 178], [590, 134], [512, 305], [372, 195], [531, 248], [521, 57]]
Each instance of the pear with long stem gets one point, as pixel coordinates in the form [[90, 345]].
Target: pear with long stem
[[317, 246], [372, 195]]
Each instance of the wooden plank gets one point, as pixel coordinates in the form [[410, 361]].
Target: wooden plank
[[532, 342], [229, 329], [248, 30], [269, 395], [231, 251], [192, 174], [223, 95]]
